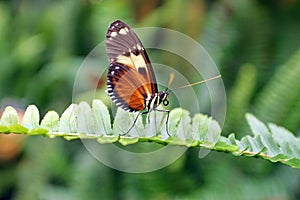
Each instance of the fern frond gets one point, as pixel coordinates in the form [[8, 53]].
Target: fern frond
[[219, 20], [293, 119], [82, 121], [279, 96], [239, 99], [269, 142]]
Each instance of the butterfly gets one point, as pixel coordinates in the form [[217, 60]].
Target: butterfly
[[131, 82]]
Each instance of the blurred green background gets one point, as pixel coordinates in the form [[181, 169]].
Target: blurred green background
[[256, 45]]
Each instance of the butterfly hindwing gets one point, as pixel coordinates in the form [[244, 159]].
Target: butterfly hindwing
[[125, 87], [131, 80]]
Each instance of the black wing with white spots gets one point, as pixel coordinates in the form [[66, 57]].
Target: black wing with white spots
[[130, 80]]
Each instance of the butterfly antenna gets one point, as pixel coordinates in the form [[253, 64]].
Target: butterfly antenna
[[197, 83], [171, 78]]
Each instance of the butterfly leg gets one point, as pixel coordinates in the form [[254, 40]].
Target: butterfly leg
[[134, 122], [148, 115], [167, 121]]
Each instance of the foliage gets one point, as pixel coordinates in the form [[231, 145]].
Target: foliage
[[255, 45], [81, 121], [277, 101]]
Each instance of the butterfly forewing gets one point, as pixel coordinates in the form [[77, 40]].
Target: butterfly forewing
[[131, 80]]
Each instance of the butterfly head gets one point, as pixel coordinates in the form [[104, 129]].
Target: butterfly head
[[163, 96]]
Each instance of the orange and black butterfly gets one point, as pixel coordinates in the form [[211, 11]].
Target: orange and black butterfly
[[131, 83]]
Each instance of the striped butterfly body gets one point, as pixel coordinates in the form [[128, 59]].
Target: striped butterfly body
[[131, 83]]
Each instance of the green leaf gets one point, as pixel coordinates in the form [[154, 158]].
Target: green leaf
[[4, 129], [179, 123], [107, 139], [85, 121], [252, 144], [124, 121], [294, 162], [17, 128], [212, 135], [51, 121], [275, 144], [224, 146], [68, 121], [9, 117], [102, 118], [38, 131], [156, 124], [288, 143], [31, 118], [258, 128], [126, 141], [200, 127]]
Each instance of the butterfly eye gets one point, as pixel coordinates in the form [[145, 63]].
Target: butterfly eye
[[165, 102]]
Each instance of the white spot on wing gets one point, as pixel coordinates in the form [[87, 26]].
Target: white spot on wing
[[139, 47], [113, 34], [123, 31], [132, 60]]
